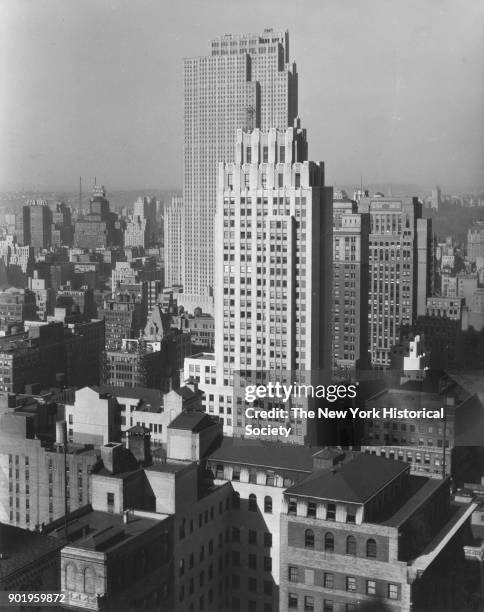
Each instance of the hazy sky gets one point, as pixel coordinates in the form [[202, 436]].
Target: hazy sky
[[389, 89]]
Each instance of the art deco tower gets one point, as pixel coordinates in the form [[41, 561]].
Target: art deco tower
[[273, 266], [246, 82]]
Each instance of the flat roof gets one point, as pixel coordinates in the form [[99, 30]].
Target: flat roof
[[108, 531]]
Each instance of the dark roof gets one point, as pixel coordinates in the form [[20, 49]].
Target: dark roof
[[265, 454], [356, 481], [192, 421], [187, 393], [22, 547], [149, 396]]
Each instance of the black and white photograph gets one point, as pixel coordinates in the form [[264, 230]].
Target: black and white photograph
[[242, 305]]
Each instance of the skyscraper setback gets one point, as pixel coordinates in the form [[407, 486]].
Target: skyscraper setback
[[246, 82]]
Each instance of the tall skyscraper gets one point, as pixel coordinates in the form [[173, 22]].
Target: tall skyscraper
[[399, 282], [173, 220], [37, 220], [273, 265], [350, 284], [246, 82]]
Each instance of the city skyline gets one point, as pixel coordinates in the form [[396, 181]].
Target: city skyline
[[387, 103]]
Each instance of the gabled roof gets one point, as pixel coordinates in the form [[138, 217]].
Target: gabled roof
[[356, 481]]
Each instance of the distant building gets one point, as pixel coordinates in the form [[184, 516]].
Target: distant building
[[433, 447], [475, 241], [52, 353], [17, 305], [99, 228], [350, 285], [140, 363], [37, 222], [173, 222], [399, 272]]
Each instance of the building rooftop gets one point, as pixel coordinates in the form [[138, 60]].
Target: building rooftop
[[151, 397], [356, 481], [192, 421], [20, 547], [267, 454], [420, 490], [103, 531], [206, 356]]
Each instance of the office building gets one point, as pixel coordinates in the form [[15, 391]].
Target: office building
[[173, 241], [37, 222], [350, 285], [475, 241], [246, 82], [399, 269], [99, 228], [273, 297], [17, 305], [348, 540], [32, 467]]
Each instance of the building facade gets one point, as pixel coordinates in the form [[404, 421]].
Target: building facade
[[246, 82]]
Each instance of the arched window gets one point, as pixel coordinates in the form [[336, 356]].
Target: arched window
[[309, 538], [350, 545], [70, 577], [235, 500], [89, 583], [182, 567], [268, 504], [252, 503], [371, 548], [329, 542]]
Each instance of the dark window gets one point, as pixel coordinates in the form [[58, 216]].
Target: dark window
[[292, 506], [328, 580], [309, 538], [236, 501], [371, 548], [292, 601], [328, 606], [350, 545], [331, 512], [267, 564], [267, 539], [252, 561], [252, 503], [329, 542], [252, 584], [292, 574], [252, 536], [268, 504], [311, 509], [235, 534]]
